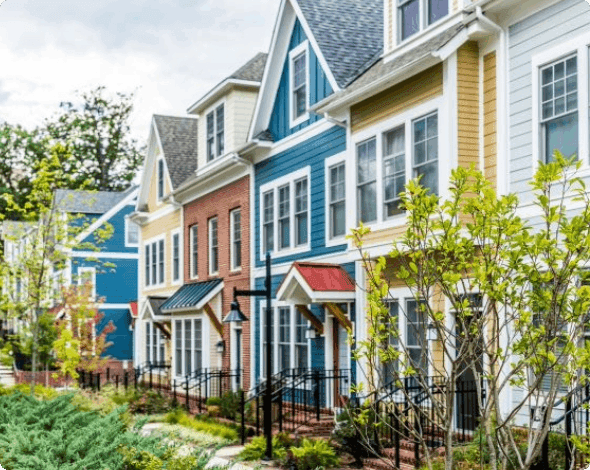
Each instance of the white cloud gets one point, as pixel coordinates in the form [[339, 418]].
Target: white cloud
[[171, 55]]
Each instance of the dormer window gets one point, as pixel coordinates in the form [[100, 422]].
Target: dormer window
[[299, 84], [160, 179], [415, 15], [216, 133]]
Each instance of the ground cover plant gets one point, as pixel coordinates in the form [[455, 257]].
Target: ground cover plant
[[203, 425], [55, 434]]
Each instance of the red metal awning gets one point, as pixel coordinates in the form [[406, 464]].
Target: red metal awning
[[133, 308], [307, 283]]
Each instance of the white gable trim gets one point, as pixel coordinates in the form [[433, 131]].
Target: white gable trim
[[315, 46], [289, 11], [107, 215]]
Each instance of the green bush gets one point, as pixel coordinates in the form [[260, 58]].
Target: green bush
[[54, 434], [313, 454], [134, 459], [213, 401], [41, 392], [230, 405], [210, 427], [149, 402], [256, 449]]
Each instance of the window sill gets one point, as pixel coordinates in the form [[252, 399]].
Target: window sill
[[300, 120], [235, 272], [336, 241], [288, 252]]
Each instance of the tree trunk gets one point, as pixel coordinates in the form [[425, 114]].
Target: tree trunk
[[34, 357]]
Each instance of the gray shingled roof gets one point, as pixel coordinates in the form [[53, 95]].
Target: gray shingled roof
[[178, 136], [251, 70], [348, 32], [89, 202], [155, 303], [379, 69]]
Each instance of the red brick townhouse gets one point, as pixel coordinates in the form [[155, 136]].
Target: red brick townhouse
[[215, 219]]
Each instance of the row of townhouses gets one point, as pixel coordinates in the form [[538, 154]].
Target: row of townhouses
[[289, 153]]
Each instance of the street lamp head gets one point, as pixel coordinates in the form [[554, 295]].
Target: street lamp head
[[235, 315], [220, 347]]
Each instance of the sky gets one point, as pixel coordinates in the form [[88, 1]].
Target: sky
[[169, 52]]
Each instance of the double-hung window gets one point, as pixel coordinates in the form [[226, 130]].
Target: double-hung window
[[175, 257], [285, 338], [285, 213], [559, 107], [160, 179], [367, 180], [394, 170], [337, 195], [415, 15], [390, 367], [154, 344], [284, 217], [215, 123], [194, 240], [301, 212], [236, 239], [213, 247], [268, 215], [154, 263], [299, 85], [188, 354], [301, 347], [425, 151], [131, 233], [416, 345]]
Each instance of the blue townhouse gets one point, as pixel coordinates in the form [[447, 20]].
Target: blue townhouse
[[111, 268], [298, 192]]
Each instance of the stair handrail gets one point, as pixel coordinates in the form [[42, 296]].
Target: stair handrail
[[572, 410]]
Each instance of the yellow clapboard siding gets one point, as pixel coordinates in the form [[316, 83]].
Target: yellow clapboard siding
[[468, 104], [490, 120], [418, 89]]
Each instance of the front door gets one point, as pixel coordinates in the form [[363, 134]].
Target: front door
[[467, 404]]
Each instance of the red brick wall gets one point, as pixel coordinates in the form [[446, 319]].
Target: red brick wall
[[219, 204]]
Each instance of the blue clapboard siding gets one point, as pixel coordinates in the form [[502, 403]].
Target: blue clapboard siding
[[116, 242], [115, 284], [311, 153], [121, 340], [540, 31], [319, 88]]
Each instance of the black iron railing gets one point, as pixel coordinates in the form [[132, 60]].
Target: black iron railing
[[300, 397], [411, 413]]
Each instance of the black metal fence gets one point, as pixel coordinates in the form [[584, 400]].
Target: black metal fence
[[410, 414], [300, 397]]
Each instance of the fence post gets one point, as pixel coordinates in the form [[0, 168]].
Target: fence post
[[98, 381], [150, 378], [108, 374], [188, 408], [257, 415], [174, 393], [243, 416], [126, 380], [396, 439], [280, 398], [136, 376], [117, 382], [316, 376], [417, 440], [568, 432]]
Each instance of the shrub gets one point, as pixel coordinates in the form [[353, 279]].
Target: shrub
[[144, 460], [149, 402], [52, 434], [213, 401], [41, 392], [256, 449], [209, 427], [230, 405], [313, 454]]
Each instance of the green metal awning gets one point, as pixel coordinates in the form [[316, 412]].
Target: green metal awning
[[192, 296]]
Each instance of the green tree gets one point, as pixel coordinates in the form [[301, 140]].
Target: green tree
[[37, 250], [506, 301], [101, 155]]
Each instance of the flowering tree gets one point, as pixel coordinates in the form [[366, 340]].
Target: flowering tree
[[496, 298]]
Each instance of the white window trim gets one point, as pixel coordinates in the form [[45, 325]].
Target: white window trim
[[406, 119], [160, 341], [159, 282], [205, 339], [180, 253], [276, 305], [289, 179], [85, 269], [127, 225], [209, 110], [328, 163], [232, 239], [191, 246], [580, 45], [303, 47], [158, 197], [401, 295], [210, 246], [424, 26]]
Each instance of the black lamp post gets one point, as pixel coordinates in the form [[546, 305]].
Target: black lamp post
[[235, 315]]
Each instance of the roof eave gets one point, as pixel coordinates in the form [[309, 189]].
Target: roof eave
[[218, 91]]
